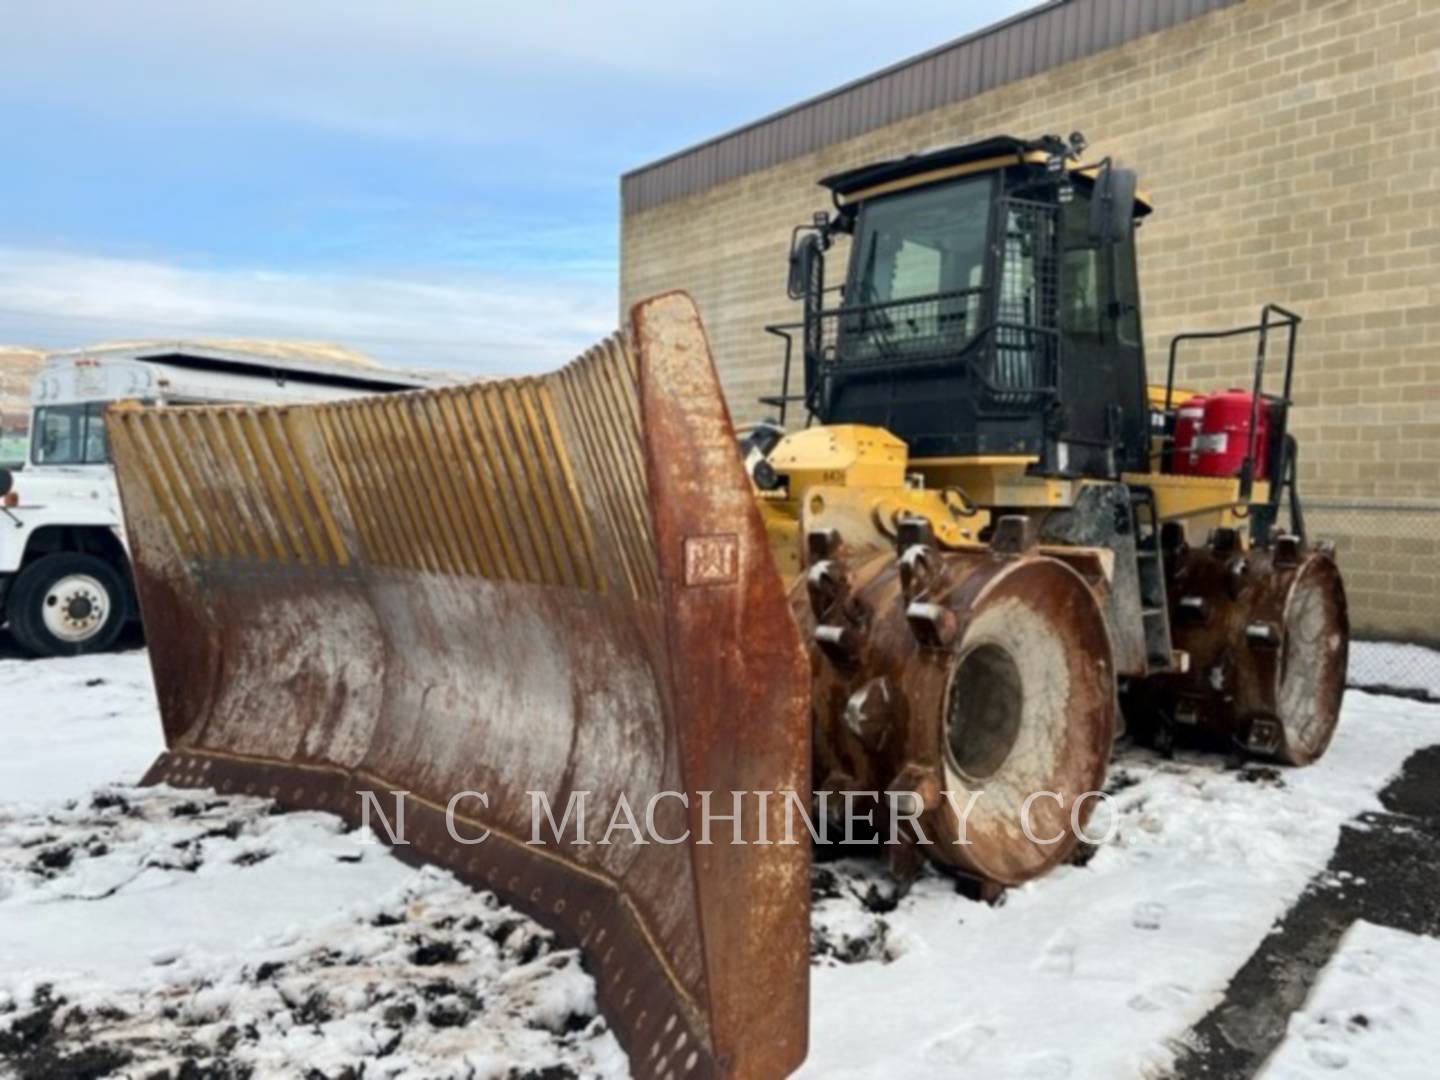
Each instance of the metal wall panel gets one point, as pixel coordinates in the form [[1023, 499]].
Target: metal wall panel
[[1044, 37]]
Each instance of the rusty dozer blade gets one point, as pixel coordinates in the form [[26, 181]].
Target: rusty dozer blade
[[556, 585]]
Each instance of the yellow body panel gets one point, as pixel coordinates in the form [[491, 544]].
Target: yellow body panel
[[1157, 395], [860, 481], [998, 480], [1201, 502], [853, 478], [850, 455]]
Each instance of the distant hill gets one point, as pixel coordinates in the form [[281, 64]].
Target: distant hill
[[17, 367]]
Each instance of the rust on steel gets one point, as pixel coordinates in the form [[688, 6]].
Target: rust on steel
[[554, 584], [970, 680]]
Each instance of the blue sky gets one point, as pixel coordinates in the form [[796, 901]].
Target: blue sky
[[433, 181]]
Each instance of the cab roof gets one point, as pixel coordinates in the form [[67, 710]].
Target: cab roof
[[997, 152]]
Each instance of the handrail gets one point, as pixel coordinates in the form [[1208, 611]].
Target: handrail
[[1290, 319], [781, 330], [1291, 322]]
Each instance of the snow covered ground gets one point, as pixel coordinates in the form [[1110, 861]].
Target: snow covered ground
[[177, 927], [1373, 1013], [174, 930], [163, 929], [73, 725], [1094, 970]]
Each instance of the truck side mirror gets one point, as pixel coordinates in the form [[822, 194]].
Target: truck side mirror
[[7, 482], [805, 255], [1112, 205]]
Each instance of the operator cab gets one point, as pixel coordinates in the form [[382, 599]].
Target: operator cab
[[990, 307]]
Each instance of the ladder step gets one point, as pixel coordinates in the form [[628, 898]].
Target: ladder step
[[1150, 570]]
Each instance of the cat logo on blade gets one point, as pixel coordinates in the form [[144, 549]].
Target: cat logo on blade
[[712, 560]]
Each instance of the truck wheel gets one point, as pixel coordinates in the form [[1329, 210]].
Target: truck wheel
[[67, 604]]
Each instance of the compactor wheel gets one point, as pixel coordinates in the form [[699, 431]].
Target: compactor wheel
[[981, 683], [1025, 724], [1310, 682], [1267, 635]]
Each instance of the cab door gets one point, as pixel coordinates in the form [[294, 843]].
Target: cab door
[[1105, 410]]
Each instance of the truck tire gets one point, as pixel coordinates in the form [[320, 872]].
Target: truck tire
[[66, 605]]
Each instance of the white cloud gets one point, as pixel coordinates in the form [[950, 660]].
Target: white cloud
[[473, 323]]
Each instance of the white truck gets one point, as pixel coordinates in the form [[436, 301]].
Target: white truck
[[65, 585]]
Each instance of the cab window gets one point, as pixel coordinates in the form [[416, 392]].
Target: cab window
[[1099, 292], [917, 244], [915, 282], [70, 435]]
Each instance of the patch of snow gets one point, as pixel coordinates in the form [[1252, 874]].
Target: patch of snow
[[73, 724], [1374, 1013], [1395, 666], [158, 869]]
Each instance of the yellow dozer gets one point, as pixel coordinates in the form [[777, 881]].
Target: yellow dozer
[[973, 532]]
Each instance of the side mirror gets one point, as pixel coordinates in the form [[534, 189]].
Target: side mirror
[[805, 254], [1112, 205], [7, 482]]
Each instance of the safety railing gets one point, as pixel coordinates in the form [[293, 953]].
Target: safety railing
[[1272, 317], [1015, 362]]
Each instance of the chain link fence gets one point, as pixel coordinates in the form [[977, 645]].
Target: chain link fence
[[1389, 553]]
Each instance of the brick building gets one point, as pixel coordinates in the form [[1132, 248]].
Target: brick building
[[1292, 148]]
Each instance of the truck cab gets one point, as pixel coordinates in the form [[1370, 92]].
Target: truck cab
[[65, 580]]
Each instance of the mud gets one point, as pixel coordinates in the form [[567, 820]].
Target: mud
[[849, 901]]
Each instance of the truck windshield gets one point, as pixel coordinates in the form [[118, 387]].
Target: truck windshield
[[70, 435], [919, 266]]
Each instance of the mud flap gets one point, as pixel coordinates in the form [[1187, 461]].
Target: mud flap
[[481, 602]]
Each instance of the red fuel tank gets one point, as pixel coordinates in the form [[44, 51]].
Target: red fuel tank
[[1189, 418], [1220, 445]]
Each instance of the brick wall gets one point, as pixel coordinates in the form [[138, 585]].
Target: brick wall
[[1293, 151]]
